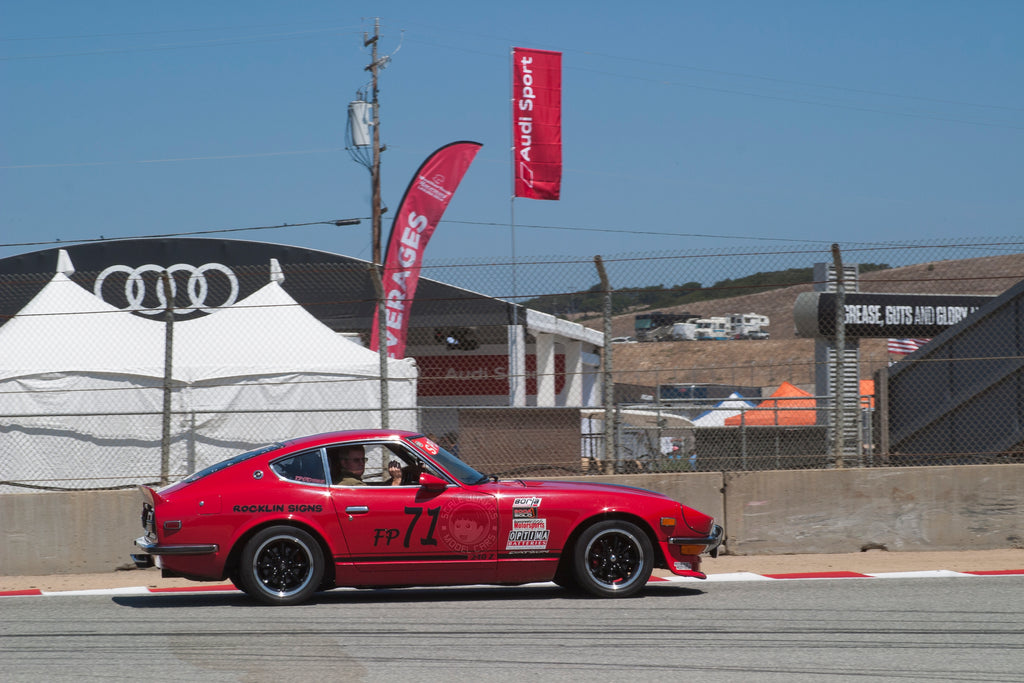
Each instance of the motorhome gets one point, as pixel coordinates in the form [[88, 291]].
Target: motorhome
[[715, 327], [748, 326]]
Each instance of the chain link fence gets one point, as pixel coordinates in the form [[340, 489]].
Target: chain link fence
[[751, 359]]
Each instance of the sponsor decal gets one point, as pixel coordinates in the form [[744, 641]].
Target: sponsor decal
[[519, 539], [526, 503], [468, 527], [529, 524], [524, 513], [277, 507]]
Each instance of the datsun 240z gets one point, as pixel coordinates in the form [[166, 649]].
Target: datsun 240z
[[290, 519]]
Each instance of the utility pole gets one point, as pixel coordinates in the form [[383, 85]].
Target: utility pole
[[374, 67], [382, 348]]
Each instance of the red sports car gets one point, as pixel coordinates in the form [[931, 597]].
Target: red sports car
[[385, 508]]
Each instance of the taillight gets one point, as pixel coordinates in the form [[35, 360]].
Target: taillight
[[149, 519]]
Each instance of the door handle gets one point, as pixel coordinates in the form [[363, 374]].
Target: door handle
[[357, 510]]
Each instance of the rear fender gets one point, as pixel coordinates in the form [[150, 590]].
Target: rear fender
[[319, 534]]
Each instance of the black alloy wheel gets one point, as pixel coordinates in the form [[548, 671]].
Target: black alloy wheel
[[281, 565], [613, 559]]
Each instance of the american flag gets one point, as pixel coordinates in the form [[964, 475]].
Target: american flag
[[902, 347]]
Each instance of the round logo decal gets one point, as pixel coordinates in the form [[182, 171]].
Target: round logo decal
[[469, 527]]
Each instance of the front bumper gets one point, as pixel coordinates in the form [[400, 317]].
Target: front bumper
[[711, 542], [150, 548]]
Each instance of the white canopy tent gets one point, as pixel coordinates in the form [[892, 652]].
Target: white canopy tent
[[734, 404], [643, 433], [81, 385]]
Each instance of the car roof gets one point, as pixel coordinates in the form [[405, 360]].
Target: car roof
[[349, 435]]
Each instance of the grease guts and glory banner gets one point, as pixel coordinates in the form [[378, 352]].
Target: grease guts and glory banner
[[537, 123], [425, 200]]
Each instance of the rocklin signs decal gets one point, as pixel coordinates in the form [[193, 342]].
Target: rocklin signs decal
[[537, 122], [421, 209]]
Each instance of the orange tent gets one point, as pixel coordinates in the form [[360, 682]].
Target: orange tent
[[867, 393], [793, 406]]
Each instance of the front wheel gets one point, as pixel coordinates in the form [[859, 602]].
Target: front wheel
[[613, 559], [281, 565]]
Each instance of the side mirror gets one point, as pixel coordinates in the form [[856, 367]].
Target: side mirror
[[432, 483]]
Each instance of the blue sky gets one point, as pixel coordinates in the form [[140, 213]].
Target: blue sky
[[686, 125]]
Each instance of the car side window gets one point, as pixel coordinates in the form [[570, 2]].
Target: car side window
[[379, 459], [411, 464], [382, 458], [306, 467]]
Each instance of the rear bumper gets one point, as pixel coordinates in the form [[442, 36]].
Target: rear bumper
[[150, 548]]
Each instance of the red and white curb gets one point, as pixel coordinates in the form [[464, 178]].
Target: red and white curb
[[733, 576], [929, 574]]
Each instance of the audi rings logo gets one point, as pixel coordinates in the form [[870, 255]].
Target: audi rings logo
[[144, 287]]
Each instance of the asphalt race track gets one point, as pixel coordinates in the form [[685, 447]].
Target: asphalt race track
[[863, 630]]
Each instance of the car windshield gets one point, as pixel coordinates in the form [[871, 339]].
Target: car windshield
[[231, 461], [450, 462]]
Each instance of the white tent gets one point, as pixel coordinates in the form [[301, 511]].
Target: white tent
[[734, 404], [81, 385], [643, 433]]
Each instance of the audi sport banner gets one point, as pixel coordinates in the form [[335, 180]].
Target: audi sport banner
[[537, 122], [425, 200]]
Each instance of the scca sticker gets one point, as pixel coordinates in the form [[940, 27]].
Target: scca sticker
[[426, 444]]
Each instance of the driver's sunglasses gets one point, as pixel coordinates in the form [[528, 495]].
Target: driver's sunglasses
[[354, 459]]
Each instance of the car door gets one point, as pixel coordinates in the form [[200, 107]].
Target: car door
[[434, 533]]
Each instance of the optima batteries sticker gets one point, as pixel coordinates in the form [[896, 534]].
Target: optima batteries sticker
[[528, 534]]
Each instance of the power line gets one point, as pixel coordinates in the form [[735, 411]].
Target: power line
[[220, 42], [171, 160], [501, 225], [337, 222], [129, 34]]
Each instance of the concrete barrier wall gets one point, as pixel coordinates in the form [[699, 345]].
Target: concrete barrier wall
[[782, 512], [68, 533], [842, 511]]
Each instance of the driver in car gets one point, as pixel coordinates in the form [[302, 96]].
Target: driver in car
[[349, 465]]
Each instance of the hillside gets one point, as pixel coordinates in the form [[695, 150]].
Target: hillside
[[786, 357]]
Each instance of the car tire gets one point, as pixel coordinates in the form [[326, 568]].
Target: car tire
[[613, 559], [281, 565], [236, 579], [565, 577]]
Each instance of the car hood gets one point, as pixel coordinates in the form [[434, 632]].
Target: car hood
[[536, 486]]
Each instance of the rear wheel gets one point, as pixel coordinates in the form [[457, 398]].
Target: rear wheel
[[281, 565], [613, 559]]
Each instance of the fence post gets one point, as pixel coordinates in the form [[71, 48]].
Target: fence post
[[382, 345], [607, 383], [165, 436], [839, 421], [882, 413]]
